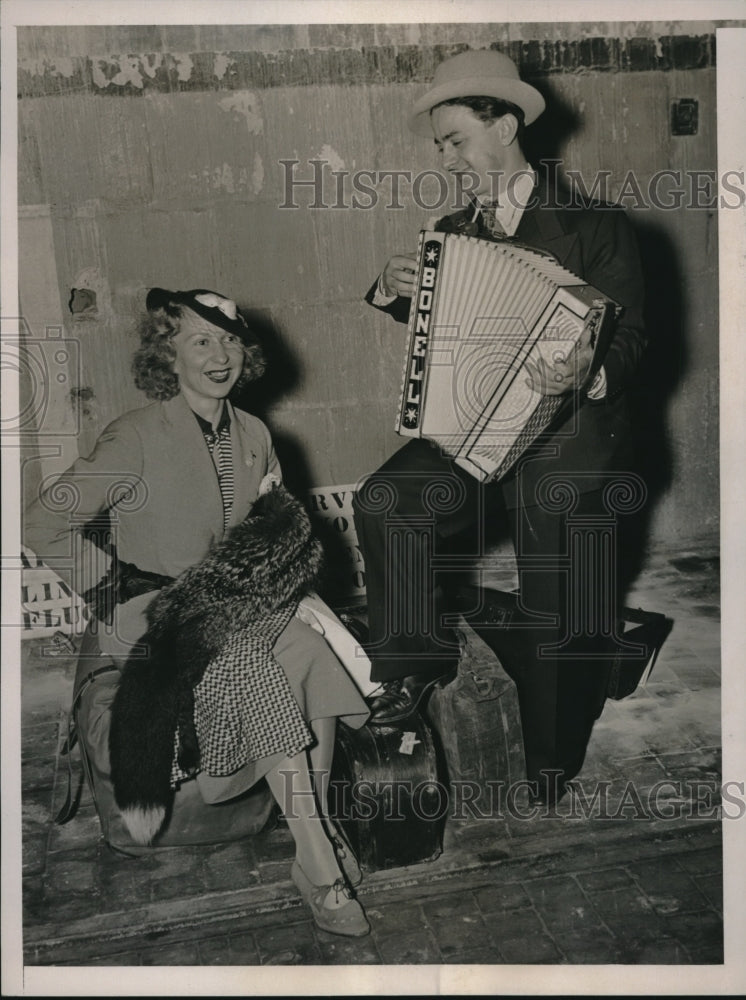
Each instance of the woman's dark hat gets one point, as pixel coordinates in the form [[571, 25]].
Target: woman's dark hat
[[211, 306]]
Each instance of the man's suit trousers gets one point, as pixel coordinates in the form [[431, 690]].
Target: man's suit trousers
[[420, 521]]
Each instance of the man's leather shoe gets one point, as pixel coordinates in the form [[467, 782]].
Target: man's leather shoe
[[402, 698]]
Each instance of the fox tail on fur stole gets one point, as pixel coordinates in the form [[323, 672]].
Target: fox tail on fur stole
[[266, 562], [144, 822], [144, 719]]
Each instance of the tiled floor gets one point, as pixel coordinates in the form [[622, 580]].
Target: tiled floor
[[633, 876]]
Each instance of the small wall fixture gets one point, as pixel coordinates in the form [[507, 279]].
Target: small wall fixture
[[684, 116]]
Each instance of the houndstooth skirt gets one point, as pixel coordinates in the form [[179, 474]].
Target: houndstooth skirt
[[302, 681]]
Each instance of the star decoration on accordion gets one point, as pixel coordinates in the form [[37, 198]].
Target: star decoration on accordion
[[410, 416], [432, 252]]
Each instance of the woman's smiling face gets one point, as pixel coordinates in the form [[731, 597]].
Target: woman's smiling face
[[209, 360]]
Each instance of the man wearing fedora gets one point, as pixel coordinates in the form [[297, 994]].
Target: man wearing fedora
[[476, 112]]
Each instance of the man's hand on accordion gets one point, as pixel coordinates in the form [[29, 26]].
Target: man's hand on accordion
[[559, 370], [398, 277]]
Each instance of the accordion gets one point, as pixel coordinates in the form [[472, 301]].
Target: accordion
[[482, 317]]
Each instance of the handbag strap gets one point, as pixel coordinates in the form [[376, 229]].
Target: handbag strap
[[72, 799]]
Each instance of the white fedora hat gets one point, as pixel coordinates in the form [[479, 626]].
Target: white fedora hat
[[480, 73]]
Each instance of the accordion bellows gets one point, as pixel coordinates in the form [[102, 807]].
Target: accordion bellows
[[482, 315]]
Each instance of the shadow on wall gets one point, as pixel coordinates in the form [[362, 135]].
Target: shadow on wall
[[559, 123], [283, 375], [663, 367], [665, 362]]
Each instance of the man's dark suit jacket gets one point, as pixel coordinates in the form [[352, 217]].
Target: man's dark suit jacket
[[589, 437]]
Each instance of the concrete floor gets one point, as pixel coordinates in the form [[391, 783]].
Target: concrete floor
[[633, 880]]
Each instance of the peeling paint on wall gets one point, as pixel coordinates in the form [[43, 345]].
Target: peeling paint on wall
[[184, 65], [223, 63], [332, 157], [99, 78], [224, 179], [641, 49], [150, 64], [246, 104], [130, 72], [62, 66], [257, 176]]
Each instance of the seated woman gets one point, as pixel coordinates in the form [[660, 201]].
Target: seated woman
[[180, 478]]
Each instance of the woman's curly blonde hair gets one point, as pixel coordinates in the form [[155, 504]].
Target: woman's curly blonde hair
[[152, 365]]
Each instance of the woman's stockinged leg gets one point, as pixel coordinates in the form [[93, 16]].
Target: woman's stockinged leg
[[315, 870], [320, 756], [293, 788]]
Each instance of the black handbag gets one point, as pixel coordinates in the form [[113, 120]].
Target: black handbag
[[647, 630]]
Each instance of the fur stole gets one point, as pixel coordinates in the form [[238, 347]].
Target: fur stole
[[267, 562]]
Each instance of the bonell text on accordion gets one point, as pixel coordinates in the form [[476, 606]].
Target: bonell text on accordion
[[482, 315]]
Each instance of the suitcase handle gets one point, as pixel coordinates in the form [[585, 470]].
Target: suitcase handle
[[485, 685]]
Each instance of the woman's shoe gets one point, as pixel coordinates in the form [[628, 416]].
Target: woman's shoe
[[345, 856], [348, 920]]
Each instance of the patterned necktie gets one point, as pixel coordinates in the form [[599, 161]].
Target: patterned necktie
[[491, 222]]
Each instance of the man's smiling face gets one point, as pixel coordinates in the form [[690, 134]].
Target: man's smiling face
[[469, 145]]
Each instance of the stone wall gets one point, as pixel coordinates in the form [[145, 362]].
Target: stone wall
[[154, 156]]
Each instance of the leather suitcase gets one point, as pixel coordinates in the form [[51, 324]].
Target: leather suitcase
[[387, 795], [191, 820], [477, 723]]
